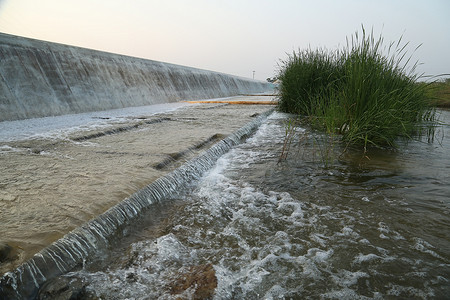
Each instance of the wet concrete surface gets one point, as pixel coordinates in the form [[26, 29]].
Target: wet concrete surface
[[41, 79], [51, 185]]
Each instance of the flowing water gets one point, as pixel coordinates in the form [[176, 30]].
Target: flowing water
[[311, 226]]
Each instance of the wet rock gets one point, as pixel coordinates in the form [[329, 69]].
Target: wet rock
[[5, 251], [65, 288], [200, 278]]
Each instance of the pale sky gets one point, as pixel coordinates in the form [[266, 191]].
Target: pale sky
[[231, 36]]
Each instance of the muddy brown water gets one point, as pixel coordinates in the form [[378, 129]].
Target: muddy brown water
[[52, 183]]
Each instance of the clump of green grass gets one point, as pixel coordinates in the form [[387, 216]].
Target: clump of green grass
[[370, 98], [305, 75]]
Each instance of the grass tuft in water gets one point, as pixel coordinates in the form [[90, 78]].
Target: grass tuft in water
[[369, 98]]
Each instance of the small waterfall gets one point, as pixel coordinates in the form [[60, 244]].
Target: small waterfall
[[76, 247]]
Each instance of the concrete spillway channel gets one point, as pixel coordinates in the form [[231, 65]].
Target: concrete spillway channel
[[40, 79], [75, 247]]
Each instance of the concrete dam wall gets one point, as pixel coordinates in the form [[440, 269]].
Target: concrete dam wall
[[39, 79]]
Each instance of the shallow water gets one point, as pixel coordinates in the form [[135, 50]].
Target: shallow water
[[52, 182], [62, 126], [352, 228]]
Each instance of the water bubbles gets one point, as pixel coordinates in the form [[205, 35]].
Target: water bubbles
[[425, 247], [281, 241], [365, 258]]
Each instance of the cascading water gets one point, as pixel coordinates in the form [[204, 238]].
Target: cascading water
[[352, 229], [95, 236], [296, 229]]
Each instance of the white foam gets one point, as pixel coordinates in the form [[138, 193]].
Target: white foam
[[365, 258], [401, 291], [153, 265], [275, 293], [345, 278], [7, 149], [424, 247]]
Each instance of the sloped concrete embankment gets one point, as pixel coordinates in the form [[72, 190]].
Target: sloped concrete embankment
[[39, 79]]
